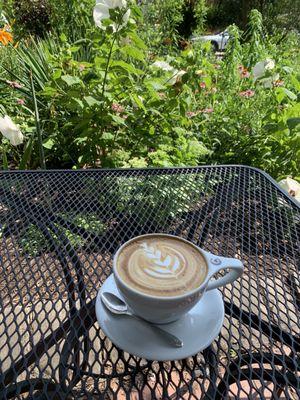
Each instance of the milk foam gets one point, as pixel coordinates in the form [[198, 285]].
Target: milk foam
[[162, 266]]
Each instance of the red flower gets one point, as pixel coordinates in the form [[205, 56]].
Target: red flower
[[247, 93], [202, 85]]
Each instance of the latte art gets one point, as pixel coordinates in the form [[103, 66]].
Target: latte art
[[161, 266], [157, 266]]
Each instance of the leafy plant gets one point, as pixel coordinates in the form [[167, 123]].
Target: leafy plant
[[255, 49], [107, 98]]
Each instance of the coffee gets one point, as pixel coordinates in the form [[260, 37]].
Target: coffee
[[161, 266]]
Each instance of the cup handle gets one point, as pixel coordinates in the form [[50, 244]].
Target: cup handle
[[217, 264]]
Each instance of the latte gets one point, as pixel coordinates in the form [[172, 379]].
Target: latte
[[161, 266]]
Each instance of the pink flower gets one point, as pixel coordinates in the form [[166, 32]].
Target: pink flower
[[81, 67], [247, 93], [14, 84], [202, 85], [118, 108], [21, 102], [207, 110]]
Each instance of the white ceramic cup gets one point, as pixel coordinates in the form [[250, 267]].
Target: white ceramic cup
[[161, 310]]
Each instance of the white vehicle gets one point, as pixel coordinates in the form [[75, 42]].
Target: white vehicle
[[218, 40]]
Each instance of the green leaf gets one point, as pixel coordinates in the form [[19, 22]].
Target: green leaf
[[136, 100], [156, 112], [118, 120], [48, 144], [290, 94], [79, 102], [27, 154], [180, 131], [91, 101], [208, 82], [71, 80], [295, 82], [293, 123], [137, 10], [137, 40], [154, 83], [280, 94], [133, 52], [56, 74], [100, 61], [49, 91], [74, 49], [81, 139], [107, 136], [63, 38], [126, 67]]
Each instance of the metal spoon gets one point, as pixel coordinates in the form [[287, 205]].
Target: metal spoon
[[117, 306]]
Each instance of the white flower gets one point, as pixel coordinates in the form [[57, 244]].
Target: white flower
[[11, 131], [101, 12], [163, 65], [176, 76], [261, 67], [269, 64], [292, 187]]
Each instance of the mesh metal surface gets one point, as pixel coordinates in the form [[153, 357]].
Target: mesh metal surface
[[59, 231]]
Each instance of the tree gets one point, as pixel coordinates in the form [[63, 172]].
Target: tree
[[176, 18], [282, 14]]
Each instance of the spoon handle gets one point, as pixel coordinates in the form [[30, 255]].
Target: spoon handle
[[175, 341]]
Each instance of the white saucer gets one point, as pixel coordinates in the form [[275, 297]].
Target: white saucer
[[197, 329]]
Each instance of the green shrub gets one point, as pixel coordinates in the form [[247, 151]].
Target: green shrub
[[32, 17], [107, 100]]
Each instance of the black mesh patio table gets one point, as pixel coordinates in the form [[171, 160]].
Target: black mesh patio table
[[59, 231]]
